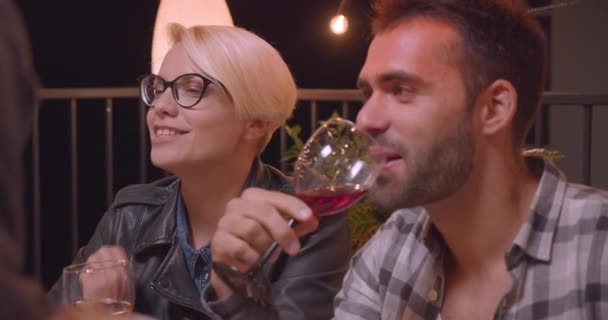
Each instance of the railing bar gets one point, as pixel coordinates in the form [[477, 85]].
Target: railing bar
[[74, 173], [143, 143], [545, 115], [109, 153], [574, 99], [345, 110], [283, 144], [351, 95], [549, 97], [538, 131], [36, 163], [587, 143], [313, 116], [330, 94], [88, 93]]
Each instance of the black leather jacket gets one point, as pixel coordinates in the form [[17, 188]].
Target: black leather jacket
[[142, 220]]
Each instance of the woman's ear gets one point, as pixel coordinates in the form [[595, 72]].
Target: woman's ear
[[498, 107], [256, 129]]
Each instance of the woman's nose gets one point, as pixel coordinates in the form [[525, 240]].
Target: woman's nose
[[165, 105]]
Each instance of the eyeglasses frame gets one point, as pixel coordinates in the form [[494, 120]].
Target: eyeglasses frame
[[171, 84]]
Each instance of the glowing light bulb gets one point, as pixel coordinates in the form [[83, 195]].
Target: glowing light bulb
[[338, 24]]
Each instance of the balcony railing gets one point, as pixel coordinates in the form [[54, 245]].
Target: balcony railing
[[313, 105]]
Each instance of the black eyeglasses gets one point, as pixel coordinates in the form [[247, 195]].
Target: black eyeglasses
[[187, 89]]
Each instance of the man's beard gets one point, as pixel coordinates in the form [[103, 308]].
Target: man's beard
[[432, 174]]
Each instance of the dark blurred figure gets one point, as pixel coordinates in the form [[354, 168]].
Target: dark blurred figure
[[20, 297]]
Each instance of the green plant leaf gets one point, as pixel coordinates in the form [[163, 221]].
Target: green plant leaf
[[552, 154]]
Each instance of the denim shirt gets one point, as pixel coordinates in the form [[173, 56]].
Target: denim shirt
[[197, 260]]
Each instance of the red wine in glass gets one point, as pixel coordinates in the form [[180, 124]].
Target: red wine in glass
[[330, 200]]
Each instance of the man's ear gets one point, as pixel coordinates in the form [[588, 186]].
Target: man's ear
[[256, 129], [498, 107]]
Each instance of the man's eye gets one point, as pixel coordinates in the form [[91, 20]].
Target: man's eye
[[400, 90]]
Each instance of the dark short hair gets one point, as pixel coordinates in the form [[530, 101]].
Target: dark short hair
[[499, 40]]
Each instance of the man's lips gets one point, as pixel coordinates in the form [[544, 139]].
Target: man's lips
[[384, 156]]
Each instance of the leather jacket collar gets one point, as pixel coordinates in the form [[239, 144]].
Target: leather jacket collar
[[162, 230]]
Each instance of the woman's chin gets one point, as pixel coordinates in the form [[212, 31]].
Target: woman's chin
[[166, 163]]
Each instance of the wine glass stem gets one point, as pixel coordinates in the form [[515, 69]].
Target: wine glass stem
[[273, 246]]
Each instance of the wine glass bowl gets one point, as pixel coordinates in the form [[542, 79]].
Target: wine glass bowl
[[101, 287], [335, 168]]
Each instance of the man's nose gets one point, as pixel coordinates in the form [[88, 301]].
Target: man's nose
[[373, 116]]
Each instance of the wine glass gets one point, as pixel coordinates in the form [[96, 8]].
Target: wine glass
[[334, 169], [101, 287]]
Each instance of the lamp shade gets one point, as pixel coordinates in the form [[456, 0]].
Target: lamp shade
[[187, 13]]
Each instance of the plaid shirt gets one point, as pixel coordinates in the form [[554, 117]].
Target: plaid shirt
[[558, 261]]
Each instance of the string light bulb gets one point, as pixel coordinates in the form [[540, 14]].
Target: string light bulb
[[338, 24]]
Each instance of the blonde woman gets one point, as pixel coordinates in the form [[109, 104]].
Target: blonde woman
[[220, 94]]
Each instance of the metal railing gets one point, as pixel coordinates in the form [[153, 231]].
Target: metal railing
[[314, 101]]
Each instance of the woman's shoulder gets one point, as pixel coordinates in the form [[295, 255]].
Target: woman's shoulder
[[154, 193], [268, 177]]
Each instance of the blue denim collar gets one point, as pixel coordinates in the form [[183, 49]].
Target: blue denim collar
[[197, 260]]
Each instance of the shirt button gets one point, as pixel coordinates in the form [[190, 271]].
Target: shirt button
[[432, 295]]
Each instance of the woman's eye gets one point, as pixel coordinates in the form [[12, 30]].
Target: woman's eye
[[156, 89], [193, 90]]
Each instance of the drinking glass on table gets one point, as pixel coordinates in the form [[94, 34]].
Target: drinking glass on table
[[104, 287], [335, 168]]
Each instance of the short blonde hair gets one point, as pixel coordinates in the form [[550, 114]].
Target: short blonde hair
[[252, 72]]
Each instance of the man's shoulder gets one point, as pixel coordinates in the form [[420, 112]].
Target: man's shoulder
[[583, 216], [586, 201], [586, 193], [402, 227], [405, 221]]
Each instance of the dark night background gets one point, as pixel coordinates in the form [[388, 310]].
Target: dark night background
[[107, 44]]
